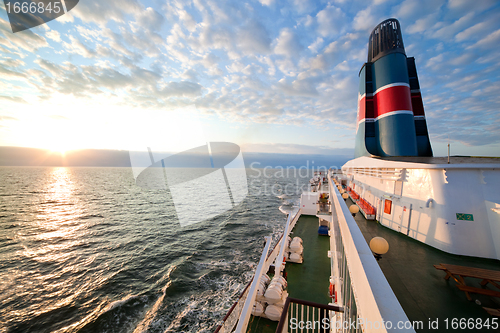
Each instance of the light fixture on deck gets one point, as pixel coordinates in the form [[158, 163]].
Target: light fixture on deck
[[379, 246], [345, 196], [354, 209]]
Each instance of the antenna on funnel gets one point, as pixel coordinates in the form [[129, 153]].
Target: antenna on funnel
[[448, 149]]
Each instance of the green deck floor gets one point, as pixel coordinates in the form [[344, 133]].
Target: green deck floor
[[261, 325], [309, 280], [420, 288]]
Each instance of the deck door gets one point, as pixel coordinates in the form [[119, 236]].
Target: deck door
[[401, 218]]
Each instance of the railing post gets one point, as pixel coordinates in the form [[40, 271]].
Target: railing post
[[288, 227], [284, 316], [304, 310], [286, 326], [247, 308]]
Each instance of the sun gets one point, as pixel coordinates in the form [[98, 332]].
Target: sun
[[60, 149]]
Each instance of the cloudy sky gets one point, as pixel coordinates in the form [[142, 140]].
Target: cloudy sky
[[269, 75]]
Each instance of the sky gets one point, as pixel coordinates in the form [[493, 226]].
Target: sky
[[271, 76]]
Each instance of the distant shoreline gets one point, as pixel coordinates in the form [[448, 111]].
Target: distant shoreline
[[33, 157]]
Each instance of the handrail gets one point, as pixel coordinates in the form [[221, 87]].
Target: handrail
[[316, 305], [283, 316], [374, 298], [247, 308], [231, 309], [289, 300], [288, 228], [270, 258]]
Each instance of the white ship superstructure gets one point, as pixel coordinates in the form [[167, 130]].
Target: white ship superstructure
[[453, 207]]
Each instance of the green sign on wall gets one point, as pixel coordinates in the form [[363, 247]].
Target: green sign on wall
[[465, 217]]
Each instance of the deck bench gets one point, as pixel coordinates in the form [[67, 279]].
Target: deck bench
[[492, 312], [458, 273], [476, 290]]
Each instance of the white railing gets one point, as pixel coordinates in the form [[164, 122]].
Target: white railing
[[319, 316], [229, 322], [247, 307], [290, 223], [368, 299], [238, 312], [382, 173]]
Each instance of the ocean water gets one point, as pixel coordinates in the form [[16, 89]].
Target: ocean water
[[87, 250]]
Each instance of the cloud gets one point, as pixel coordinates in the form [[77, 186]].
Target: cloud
[[215, 37], [304, 87], [150, 19], [413, 10], [287, 66], [304, 6], [288, 43], [476, 30], [450, 30], [102, 12], [188, 20], [53, 69], [25, 40], [365, 20], [54, 35], [314, 47], [182, 88], [292, 148], [12, 62], [77, 47], [15, 99], [254, 38], [330, 21], [491, 41], [247, 63], [210, 60], [266, 2], [7, 72], [466, 6], [423, 24]]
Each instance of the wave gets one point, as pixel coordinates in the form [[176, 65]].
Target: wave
[[117, 304], [285, 209], [208, 298], [152, 313], [89, 216], [198, 313], [113, 252]]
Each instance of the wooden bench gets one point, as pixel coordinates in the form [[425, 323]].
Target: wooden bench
[[482, 291], [458, 273], [492, 312]]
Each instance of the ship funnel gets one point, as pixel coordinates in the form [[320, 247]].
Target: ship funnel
[[385, 38], [391, 119]]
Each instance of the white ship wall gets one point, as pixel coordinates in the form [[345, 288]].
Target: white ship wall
[[308, 202], [427, 207]]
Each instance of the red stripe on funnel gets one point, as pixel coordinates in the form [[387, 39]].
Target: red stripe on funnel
[[365, 108], [392, 99], [361, 109]]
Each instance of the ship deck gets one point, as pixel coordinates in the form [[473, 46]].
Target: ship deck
[[442, 159], [421, 289], [308, 280]]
